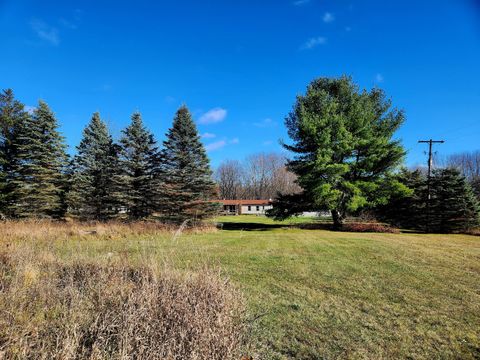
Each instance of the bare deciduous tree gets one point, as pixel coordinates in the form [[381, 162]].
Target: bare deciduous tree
[[468, 163], [229, 177], [260, 176]]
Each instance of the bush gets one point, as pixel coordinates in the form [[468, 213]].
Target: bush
[[79, 310], [369, 227]]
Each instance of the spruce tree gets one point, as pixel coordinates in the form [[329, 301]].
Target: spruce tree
[[453, 205], [39, 170], [12, 115], [138, 160], [186, 171], [94, 191]]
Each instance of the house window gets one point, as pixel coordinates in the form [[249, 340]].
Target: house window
[[258, 208], [249, 208]]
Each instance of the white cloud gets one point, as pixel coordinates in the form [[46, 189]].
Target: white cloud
[[265, 123], [170, 99], [216, 145], [208, 135], [45, 32], [300, 2], [213, 116], [267, 143], [379, 78], [328, 17], [313, 42]]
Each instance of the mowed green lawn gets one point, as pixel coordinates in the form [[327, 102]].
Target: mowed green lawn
[[319, 294]]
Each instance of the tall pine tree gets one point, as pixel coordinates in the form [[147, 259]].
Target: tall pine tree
[[343, 139], [186, 170], [94, 191], [39, 170], [138, 160], [12, 115]]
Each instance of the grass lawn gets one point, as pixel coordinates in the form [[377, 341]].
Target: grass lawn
[[321, 294]]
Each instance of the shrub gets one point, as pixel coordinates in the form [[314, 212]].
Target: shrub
[[369, 227], [79, 310]]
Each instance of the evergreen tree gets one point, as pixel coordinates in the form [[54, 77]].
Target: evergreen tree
[[475, 182], [406, 210], [186, 171], [94, 191], [138, 159], [12, 115], [453, 205], [39, 170], [343, 141]]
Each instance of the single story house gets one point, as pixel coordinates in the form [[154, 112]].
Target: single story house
[[245, 207]]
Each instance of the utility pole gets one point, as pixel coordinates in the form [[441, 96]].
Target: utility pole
[[430, 163]]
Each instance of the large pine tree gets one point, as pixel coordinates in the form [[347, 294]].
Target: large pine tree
[[138, 160], [12, 115], [343, 139], [94, 191], [39, 170], [186, 170]]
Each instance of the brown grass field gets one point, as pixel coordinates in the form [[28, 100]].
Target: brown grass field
[[260, 288]]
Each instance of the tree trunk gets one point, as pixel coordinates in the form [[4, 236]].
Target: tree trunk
[[337, 219]]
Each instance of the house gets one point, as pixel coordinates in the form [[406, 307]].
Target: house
[[245, 207]]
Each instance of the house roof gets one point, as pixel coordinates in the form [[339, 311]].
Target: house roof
[[244, 202]]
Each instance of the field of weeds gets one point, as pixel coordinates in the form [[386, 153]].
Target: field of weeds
[[110, 307]]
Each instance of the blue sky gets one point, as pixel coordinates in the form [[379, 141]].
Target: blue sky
[[239, 65]]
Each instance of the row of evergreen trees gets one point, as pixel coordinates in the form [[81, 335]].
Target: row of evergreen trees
[[453, 206], [133, 178]]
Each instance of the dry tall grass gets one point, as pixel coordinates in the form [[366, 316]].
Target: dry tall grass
[[81, 309], [47, 230]]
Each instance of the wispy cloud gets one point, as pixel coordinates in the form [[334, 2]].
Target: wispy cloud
[[208, 135], [45, 32], [216, 145], [313, 43], [267, 143], [213, 116], [328, 17], [170, 99], [379, 78], [265, 123], [300, 2], [68, 24]]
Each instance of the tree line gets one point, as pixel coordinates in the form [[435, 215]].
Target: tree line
[[346, 160], [258, 176], [134, 178]]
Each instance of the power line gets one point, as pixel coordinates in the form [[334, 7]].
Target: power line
[[430, 160]]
